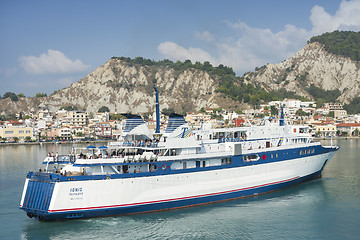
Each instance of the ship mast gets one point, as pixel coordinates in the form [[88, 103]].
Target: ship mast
[[157, 111]]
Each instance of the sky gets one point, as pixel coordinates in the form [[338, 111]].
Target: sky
[[47, 45]]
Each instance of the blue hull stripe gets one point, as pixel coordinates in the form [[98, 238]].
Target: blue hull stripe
[[176, 202]]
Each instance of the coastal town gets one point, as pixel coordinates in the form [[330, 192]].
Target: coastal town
[[330, 120]]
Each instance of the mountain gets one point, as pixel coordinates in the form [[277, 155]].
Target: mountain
[[123, 85], [329, 62], [326, 69]]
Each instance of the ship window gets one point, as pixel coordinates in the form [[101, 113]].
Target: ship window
[[226, 161], [277, 155], [152, 168], [272, 155], [300, 152], [250, 158], [312, 150], [184, 165], [308, 151]]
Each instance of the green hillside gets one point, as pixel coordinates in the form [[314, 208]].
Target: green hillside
[[228, 83], [343, 43]]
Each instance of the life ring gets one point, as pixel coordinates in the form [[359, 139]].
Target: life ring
[[163, 167]]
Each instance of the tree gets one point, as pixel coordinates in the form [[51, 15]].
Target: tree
[[79, 134], [16, 139], [11, 95], [319, 102], [41, 95], [331, 114], [353, 107], [273, 111], [69, 108], [300, 112], [356, 132], [168, 111], [27, 138], [104, 109], [21, 95]]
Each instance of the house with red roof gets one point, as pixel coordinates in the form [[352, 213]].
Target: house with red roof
[[352, 129]]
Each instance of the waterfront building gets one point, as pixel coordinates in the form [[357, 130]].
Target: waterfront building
[[65, 133], [13, 132], [326, 130], [352, 129], [103, 130], [76, 118]]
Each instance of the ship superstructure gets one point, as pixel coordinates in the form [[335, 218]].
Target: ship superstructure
[[183, 168]]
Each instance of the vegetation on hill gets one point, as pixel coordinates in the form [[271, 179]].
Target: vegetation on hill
[[322, 96], [229, 84], [69, 108], [11, 95], [343, 43], [180, 66], [353, 107], [103, 109]]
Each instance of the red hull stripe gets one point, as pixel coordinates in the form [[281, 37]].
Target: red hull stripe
[[173, 199]]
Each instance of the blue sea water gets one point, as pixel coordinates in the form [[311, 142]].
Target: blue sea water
[[326, 208]]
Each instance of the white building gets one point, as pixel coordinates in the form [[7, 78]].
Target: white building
[[292, 103]]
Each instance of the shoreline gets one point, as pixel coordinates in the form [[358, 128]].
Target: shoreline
[[59, 143], [106, 141], [334, 138]]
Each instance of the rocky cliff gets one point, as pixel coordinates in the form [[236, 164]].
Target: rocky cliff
[[125, 87], [311, 65]]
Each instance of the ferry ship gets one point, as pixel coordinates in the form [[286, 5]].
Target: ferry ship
[[183, 168]]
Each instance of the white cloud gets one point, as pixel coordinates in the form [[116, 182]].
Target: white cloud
[[347, 17], [175, 52], [53, 61], [8, 71], [248, 47], [204, 36]]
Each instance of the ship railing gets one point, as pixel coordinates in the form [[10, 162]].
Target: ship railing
[[140, 144], [58, 159], [223, 140], [140, 158]]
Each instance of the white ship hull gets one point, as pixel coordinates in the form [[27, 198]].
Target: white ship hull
[[183, 168], [134, 195]]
